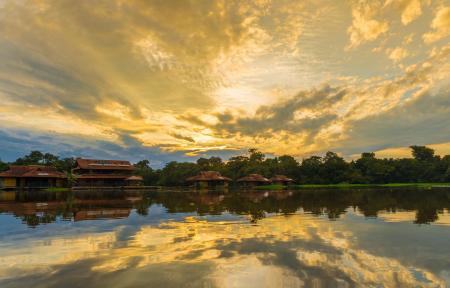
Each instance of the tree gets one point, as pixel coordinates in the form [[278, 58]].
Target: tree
[[143, 164], [213, 163], [149, 176], [335, 169], [422, 153], [34, 158], [446, 168], [287, 165], [236, 167], [3, 166], [311, 170], [49, 159], [65, 165], [429, 166], [175, 173], [256, 156], [373, 170]]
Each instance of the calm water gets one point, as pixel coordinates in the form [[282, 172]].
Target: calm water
[[327, 238]]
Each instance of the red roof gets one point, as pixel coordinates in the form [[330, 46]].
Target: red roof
[[281, 178], [102, 176], [254, 178], [208, 176], [93, 164], [32, 171]]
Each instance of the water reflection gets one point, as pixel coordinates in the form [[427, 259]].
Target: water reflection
[[41, 207], [236, 239]]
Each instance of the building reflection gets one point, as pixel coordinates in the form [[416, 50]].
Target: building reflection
[[39, 207]]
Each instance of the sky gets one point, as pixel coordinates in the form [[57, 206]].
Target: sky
[[178, 80]]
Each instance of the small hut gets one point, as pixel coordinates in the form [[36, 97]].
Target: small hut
[[281, 180], [134, 181], [253, 180], [209, 179]]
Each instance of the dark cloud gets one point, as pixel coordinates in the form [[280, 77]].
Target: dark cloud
[[179, 136], [423, 120], [281, 116]]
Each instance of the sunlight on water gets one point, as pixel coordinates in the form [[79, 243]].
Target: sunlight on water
[[239, 239]]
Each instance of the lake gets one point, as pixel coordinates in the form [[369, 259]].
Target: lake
[[308, 238]]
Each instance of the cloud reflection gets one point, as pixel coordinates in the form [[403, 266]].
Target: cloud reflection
[[291, 251]]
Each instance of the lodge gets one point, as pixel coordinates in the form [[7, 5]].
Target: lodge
[[209, 179], [281, 180], [32, 176], [105, 173], [253, 180]]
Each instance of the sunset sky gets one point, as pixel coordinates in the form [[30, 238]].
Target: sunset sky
[[176, 80]]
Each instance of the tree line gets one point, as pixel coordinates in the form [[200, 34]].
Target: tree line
[[424, 166]]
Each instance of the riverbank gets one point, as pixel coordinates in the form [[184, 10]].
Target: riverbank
[[264, 187], [347, 186]]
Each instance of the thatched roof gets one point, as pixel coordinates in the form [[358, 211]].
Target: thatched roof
[[281, 178], [254, 178], [208, 176], [134, 178]]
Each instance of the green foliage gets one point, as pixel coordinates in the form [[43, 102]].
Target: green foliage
[[47, 159], [143, 164], [213, 163], [422, 153], [328, 170], [175, 173], [71, 178], [3, 166], [311, 170], [34, 158], [331, 169], [57, 189], [150, 176]]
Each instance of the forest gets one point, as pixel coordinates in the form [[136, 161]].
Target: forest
[[423, 166]]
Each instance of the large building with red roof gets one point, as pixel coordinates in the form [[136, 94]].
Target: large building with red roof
[[105, 173], [32, 176]]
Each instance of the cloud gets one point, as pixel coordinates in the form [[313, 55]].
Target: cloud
[[186, 138], [364, 27], [199, 77], [397, 54], [348, 117], [414, 122], [411, 11], [283, 116], [440, 26], [17, 143], [128, 53]]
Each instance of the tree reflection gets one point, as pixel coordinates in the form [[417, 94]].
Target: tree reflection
[[36, 208]]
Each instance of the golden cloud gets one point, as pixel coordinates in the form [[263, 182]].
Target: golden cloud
[[440, 26], [198, 76], [364, 27]]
